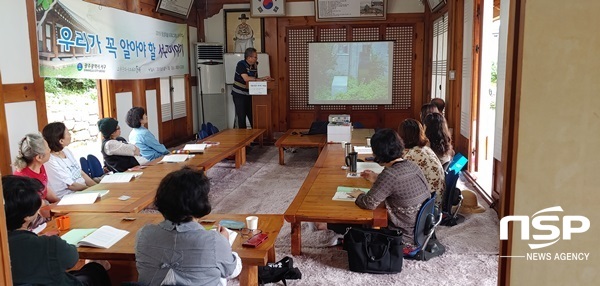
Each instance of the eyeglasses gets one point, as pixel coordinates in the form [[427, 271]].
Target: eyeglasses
[[246, 232]]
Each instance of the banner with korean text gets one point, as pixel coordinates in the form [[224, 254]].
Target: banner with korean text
[[77, 39]]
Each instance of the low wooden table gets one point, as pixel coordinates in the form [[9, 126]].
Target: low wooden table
[[141, 191], [314, 203], [231, 142], [293, 138], [124, 249]]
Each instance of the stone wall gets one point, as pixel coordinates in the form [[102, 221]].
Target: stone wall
[[79, 113]]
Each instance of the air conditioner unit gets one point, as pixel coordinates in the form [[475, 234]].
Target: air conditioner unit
[[212, 101]]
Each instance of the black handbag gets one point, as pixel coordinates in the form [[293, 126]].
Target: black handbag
[[378, 251]]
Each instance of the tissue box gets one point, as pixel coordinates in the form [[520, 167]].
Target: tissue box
[[339, 133]]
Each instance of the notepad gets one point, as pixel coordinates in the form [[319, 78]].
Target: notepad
[[232, 235], [176, 158], [78, 199], [103, 237], [361, 150], [342, 193], [120, 177], [362, 166], [195, 148], [101, 193]]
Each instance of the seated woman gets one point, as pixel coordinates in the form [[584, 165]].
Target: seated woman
[[427, 109], [118, 154], [182, 197], [436, 130], [150, 148], [32, 154], [417, 151], [40, 260], [401, 185], [64, 173]]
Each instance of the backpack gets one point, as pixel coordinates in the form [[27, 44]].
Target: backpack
[[278, 271]]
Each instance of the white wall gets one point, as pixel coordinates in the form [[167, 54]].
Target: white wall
[[15, 58], [20, 119], [124, 103], [152, 112]]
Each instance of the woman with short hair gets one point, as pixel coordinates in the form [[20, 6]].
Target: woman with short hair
[[40, 260], [118, 155], [150, 148], [65, 176], [436, 130], [417, 151], [32, 153], [179, 251], [401, 184]]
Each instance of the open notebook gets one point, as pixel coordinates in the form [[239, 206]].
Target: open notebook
[[120, 177], [103, 237], [232, 234], [176, 158], [342, 193]]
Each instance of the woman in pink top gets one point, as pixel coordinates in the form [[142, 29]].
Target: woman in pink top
[[33, 153]]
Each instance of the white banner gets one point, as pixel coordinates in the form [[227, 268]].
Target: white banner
[[77, 39]]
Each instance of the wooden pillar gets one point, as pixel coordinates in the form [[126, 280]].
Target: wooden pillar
[[5, 274], [139, 93]]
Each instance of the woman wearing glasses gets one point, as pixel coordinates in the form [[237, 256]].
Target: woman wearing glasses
[[179, 251]]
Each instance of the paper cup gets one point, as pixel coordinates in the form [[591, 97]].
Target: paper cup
[[252, 222]]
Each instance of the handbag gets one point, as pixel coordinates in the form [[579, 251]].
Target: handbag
[[378, 251]]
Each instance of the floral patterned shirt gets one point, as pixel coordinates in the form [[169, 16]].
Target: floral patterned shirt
[[429, 163]]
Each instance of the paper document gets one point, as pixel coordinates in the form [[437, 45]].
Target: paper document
[[100, 193], [361, 150], [232, 235], [177, 158], [103, 237], [342, 193], [78, 199], [362, 166], [195, 148], [120, 177]]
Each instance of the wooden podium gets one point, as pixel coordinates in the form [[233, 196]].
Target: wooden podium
[[261, 112]]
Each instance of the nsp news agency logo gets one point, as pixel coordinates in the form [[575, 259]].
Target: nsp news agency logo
[[550, 226]]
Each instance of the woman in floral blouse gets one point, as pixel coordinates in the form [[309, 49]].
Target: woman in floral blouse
[[417, 151]]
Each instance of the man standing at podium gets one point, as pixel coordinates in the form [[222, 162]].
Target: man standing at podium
[[246, 70]]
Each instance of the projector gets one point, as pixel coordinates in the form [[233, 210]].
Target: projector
[[339, 118]]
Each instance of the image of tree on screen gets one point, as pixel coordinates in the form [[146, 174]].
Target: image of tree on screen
[[350, 71]]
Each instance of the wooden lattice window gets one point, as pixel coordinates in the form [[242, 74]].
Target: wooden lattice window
[[403, 60], [298, 67]]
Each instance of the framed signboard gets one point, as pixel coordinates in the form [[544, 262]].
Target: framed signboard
[[350, 10], [177, 8], [267, 8]]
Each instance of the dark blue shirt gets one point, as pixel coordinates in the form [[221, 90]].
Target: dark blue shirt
[[240, 86]]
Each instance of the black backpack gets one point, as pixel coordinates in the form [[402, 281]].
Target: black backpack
[[278, 271]]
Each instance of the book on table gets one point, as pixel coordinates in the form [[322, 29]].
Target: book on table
[[176, 158], [101, 193], [232, 234], [362, 166], [78, 199], [103, 237], [120, 177], [342, 193], [195, 148]]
